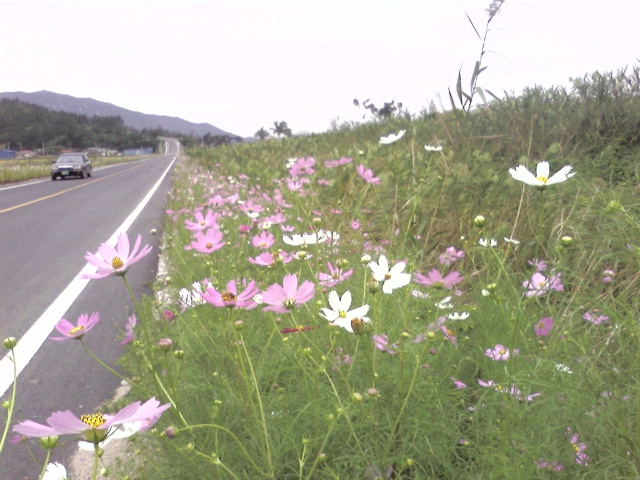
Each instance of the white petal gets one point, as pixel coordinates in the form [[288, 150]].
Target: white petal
[[542, 170]]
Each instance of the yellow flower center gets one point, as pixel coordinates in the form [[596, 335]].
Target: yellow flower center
[[502, 352], [541, 284], [203, 223], [75, 330], [387, 276], [117, 262], [94, 420], [289, 303], [542, 179], [263, 244], [342, 314], [208, 245], [229, 297]]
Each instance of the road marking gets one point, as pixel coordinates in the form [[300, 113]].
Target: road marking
[[85, 184], [31, 341]]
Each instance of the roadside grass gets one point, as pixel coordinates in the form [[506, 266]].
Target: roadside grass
[[526, 386]]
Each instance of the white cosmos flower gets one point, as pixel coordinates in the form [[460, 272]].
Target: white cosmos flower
[[339, 313], [297, 240], [431, 148], [484, 242], [393, 278], [541, 178], [444, 303], [458, 316], [512, 241], [392, 137], [55, 471]]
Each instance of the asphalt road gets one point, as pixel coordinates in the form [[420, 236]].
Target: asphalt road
[[45, 230]]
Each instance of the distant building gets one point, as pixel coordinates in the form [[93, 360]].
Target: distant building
[[138, 151], [7, 154]]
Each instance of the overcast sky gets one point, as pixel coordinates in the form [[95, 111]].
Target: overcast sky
[[243, 64]]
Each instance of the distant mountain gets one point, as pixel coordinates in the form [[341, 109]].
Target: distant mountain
[[136, 120]]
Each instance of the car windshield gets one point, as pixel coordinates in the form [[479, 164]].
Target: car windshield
[[70, 159]]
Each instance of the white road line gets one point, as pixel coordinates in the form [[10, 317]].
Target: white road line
[[31, 341]]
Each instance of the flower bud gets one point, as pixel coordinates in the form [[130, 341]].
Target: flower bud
[[431, 334], [359, 326], [614, 206], [49, 442], [171, 432], [104, 471], [178, 354], [165, 344], [153, 231], [492, 287], [342, 263], [373, 285], [10, 342], [316, 220], [301, 255], [372, 392], [238, 324], [479, 221], [365, 259], [6, 404], [566, 241], [357, 397]]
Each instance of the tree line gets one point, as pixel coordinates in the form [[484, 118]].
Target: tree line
[[26, 126]]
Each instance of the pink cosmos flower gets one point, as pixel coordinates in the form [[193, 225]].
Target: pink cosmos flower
[[367, 175], [129, 332], [539, 265], [381, 342], [95, 427], [230, 298], [593, 316], [115, 261], [208, 242], [337, 163], [266, 259], [202, 221], [499, 353], [283, 298], [435, 279], [70, 331], [543, 327], [335, 276], [451, 255], [539, 284], [457, 383], [449, 335], [303, 166], [355, 224], [580, 458], [552, 466], [263, 240]]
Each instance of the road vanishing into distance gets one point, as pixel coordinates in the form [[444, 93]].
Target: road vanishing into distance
[[46, 228]]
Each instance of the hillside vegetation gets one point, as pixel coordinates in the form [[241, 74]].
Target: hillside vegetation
[[500, 342]]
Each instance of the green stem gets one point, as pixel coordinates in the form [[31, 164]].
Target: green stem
[[96, 456], [13, 400], [235, 439], [107, 367], [46, 462]]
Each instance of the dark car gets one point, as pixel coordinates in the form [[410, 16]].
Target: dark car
[[71, 165]]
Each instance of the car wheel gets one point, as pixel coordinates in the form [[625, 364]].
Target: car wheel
[[82, 174], [88, 173], [53, 177]]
